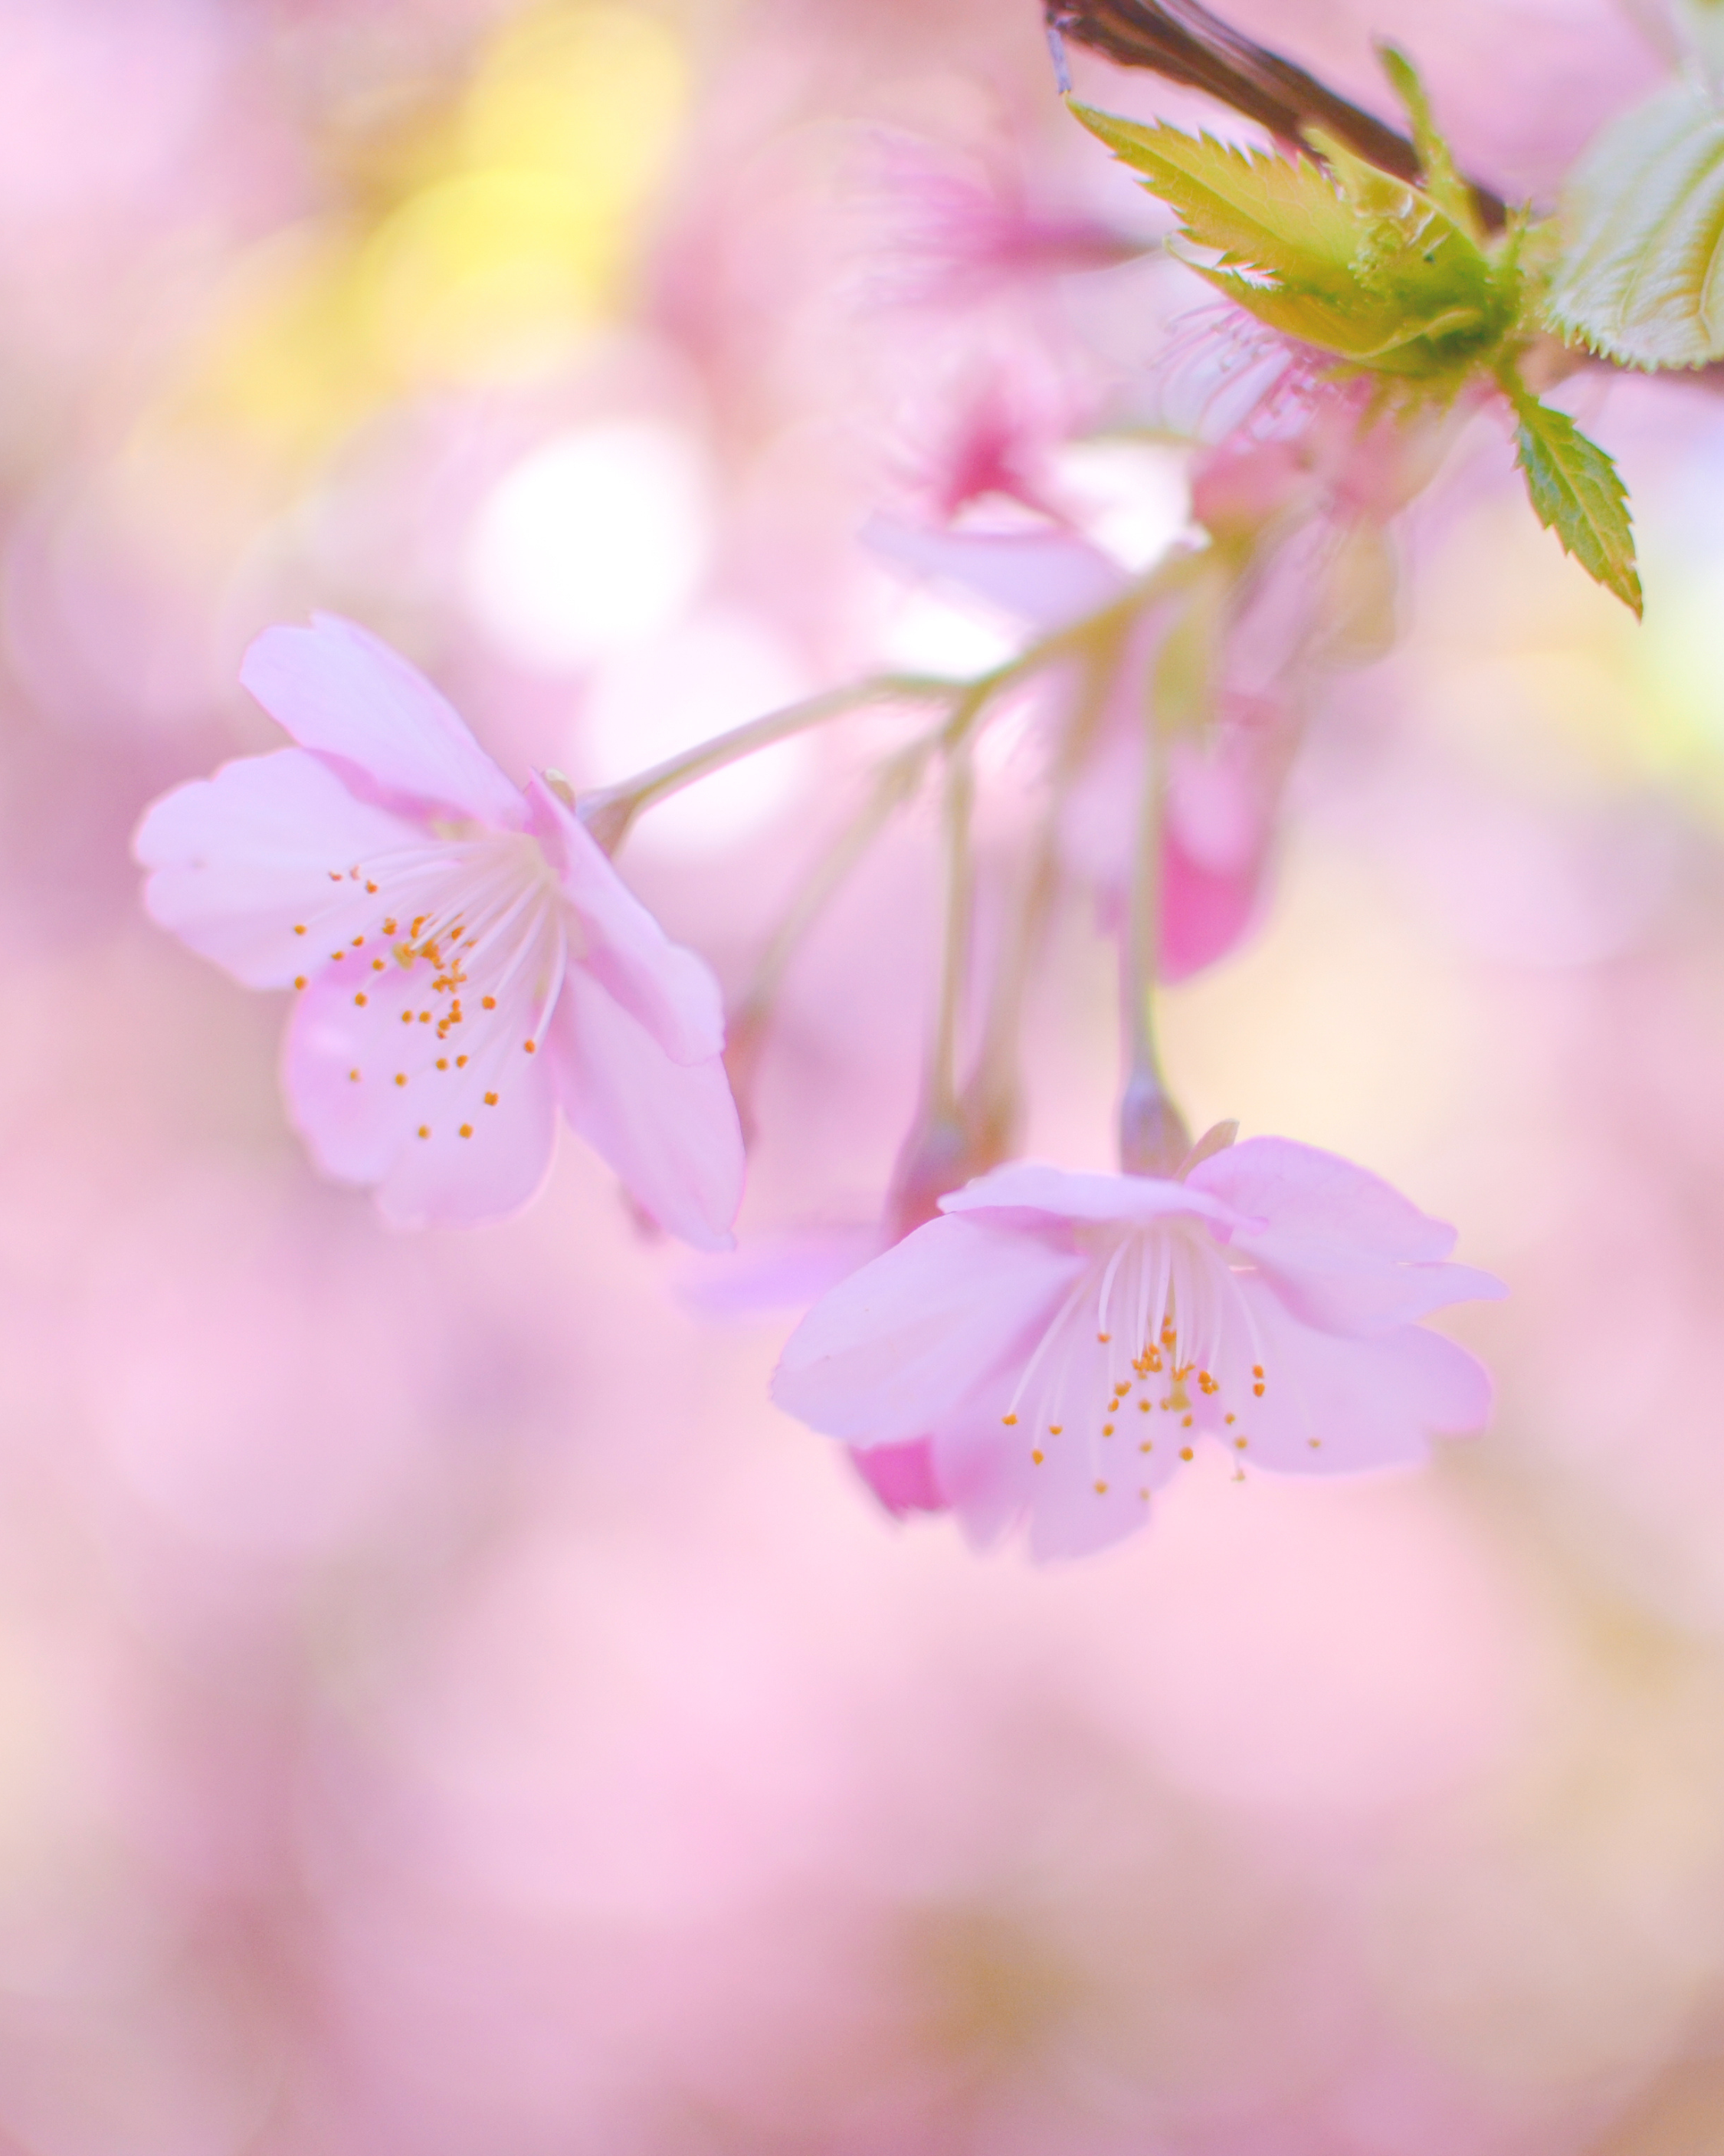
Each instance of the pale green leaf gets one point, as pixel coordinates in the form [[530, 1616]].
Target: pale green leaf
[[1576, 493], [1442, 178], [1270, 213], [1642, 275]]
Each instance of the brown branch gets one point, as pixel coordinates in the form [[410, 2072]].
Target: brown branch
[[1182, 40]]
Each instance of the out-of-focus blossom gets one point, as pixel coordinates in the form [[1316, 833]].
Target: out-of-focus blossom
[[1218, 820], [1059, 1341], [466, 957]]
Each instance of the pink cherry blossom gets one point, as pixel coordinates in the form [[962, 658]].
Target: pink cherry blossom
[[1054, 1346], [465, 956]]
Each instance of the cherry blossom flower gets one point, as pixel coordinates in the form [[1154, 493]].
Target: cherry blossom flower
[[1053, 1347], [1222, 794], [465, 956]]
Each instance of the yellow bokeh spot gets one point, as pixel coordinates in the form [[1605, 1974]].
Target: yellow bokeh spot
[[488, 275], [589, 95]]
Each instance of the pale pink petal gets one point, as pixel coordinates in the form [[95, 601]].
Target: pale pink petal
[[783, 1271], [669, 1129], [901, 1476], [902, 1346], [669, 988], [1334, 1404], [1345, 1251], [1302, 1190], [410, 1078], [1205, 911], [1045, 579], [342, 691], [242, 861], [1031, 1186], [993, 1485]]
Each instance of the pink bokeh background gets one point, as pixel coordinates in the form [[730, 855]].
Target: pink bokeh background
[[444, 1709]]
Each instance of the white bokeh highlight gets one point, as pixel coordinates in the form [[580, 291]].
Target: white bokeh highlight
[[600, 536]]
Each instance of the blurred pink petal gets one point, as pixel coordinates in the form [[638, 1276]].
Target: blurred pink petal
[[901, 1476], [436, 957], [669, 1129], [1062, 1340], [338, 689], [1043, 578]]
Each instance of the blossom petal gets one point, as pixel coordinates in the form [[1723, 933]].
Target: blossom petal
[[1335, 1405], [342, 691], [1031, 1186], [1079, 1498], [901, 1476], [243, 860], [1205, 911], [1345, 1251], [1043, 578], [364, 1079], [901, 1348], [668, 1128], [671, 990]]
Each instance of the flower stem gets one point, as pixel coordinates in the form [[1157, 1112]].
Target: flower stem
[[895, 782], [610, 812], [955, 941], [1153, 1136]]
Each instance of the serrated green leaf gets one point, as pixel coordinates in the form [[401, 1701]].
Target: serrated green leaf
[[1265, 212], [1577, 492], [1442, 179], [1363, 330], [1642, 275]]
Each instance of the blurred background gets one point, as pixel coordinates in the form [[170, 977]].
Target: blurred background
[[444, 1710]]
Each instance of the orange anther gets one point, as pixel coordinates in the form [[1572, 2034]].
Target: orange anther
[[1186, 1453], [335, 875], [1038, 1457], [491, 1099], [1257, 1370], [401, 1077], [406, 1018], [1185, 1422], [1107, 1430], [1241, 1443], [354, 1075], [1009, 1420], [361, 998], [371, 888], [460, 1063], [299, 928], [1104, 1338], [357, 941], [1145, 1447], [1258, 1390], [443, 1063], [424, 1129], [530, 1046], [490, 1003], [1056, 1429], [388, 927], [466, 1130], [299, 981], [376, 965], [1101, 1489]]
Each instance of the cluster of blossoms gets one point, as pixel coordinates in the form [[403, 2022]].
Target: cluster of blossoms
[[1032, 1347]]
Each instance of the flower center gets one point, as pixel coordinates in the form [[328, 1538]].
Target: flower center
[[1141, 1335], [476, 921]]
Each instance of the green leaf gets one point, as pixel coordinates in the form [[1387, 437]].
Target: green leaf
[[1577, 492], [1642, 275], [1442, 182], [1268, 213]]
